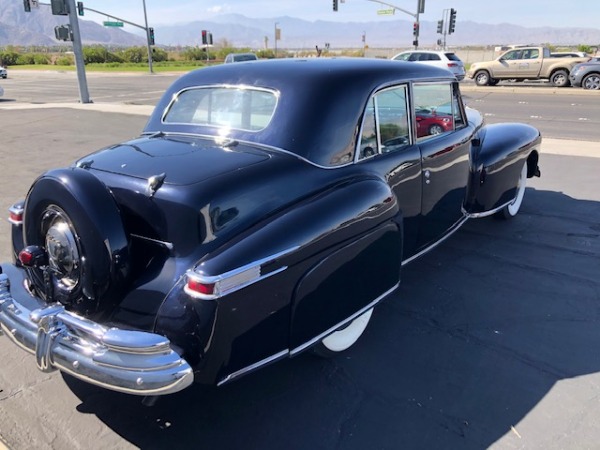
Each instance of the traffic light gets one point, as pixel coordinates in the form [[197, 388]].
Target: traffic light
[[27, 5], [440, 28], [452, 23], [151, 36], [63, 33], [204, 37], [416, 29], [59, 7], [335, 5], [210, 40], [80, 8]]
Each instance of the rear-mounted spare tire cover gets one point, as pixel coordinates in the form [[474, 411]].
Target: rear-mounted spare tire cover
[[74, 217]]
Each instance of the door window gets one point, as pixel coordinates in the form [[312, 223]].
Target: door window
[[438, 109]]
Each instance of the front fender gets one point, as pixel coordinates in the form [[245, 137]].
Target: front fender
[[497, 156]]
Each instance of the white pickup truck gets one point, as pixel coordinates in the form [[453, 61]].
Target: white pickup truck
[[524, 63]]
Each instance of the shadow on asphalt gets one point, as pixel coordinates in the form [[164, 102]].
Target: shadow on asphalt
[[479, 332]]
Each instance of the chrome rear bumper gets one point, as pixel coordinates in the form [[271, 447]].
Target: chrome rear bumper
[[134, 362]]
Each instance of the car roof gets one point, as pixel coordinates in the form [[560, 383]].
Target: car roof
[[321, 100]]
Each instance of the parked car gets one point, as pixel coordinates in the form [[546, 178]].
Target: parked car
[[265, 210], [524, 63], [445, 60], [586, 75], [3, 72], [239, 57]]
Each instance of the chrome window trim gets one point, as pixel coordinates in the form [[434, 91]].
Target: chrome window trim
[[316, 339], [247, 87]]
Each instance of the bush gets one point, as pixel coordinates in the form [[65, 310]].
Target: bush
[[39, 58], [25, 59], [9, 58], [98, 54], [65, 61]]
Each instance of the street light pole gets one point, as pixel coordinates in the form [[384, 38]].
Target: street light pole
[[276, 23], [147, 38]]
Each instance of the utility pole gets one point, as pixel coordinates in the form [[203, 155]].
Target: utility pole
[[148, 39], [84, 94]]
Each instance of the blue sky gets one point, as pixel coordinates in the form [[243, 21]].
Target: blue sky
[[554, 13]]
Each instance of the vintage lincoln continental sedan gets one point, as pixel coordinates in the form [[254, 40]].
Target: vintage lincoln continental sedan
[[265, 210]]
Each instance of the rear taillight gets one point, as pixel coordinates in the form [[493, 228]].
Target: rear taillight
[[15, 214], [32, 256], [452, 65], [206, 287]]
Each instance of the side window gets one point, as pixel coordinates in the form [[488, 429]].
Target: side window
[[515, 54], [438, 109], [385, 126]]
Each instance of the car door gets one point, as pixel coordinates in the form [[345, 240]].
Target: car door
[[387, 146], [530, 63], [508, 65], [444, 159]]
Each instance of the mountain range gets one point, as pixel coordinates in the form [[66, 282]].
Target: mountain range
[[36, 28]]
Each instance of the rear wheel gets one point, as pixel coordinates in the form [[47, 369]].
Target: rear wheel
[[511, 210], [560, 78], [344, 338], [591, 81]]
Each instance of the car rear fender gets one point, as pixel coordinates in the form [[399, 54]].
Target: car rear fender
[[300, 272], [497, 156]]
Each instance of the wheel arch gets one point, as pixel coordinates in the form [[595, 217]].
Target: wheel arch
[[497, 158]]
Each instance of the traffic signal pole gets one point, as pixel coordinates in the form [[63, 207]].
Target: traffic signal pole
[[84, 94], [420, 10]]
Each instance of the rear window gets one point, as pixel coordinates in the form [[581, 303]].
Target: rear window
[[452, 57], [242, 108]]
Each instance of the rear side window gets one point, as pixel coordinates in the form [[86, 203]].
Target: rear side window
[[452, 57], [385, 125], [241, 108]]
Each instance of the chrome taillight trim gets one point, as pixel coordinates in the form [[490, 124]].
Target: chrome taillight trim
[[17, 209], [255, 269]]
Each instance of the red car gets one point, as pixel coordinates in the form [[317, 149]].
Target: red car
[[431, 122]]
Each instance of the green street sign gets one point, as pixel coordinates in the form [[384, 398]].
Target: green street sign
[[113, 24], [385, 12]]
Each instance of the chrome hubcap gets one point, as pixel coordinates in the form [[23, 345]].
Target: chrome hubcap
[[62, 249]]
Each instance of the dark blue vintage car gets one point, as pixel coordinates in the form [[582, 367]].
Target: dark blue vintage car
[[265, 210]]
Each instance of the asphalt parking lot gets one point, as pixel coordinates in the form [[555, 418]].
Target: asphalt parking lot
[[491, 341]]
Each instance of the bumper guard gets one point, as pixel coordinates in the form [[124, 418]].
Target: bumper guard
[[133, 362]]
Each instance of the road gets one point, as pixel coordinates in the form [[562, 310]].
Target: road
[[490, 342]]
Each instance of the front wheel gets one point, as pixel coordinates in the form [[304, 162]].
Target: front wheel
[[482, 78], [591, 81], [511, 210], [343, 339], [560, 78]]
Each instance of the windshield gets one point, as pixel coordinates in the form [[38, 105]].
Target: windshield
[[242, 108]]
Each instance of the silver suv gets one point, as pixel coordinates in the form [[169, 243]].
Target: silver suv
[[3, 72], [445, 60]]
